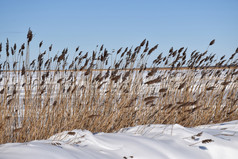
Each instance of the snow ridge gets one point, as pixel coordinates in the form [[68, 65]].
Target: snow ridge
[[216, 141]]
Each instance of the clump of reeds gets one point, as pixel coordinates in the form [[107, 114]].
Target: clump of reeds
[[44, 97]]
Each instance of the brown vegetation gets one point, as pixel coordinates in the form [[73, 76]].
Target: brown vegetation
[[51, 96]]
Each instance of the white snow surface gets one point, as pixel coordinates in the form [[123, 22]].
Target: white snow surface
[[140, 142]]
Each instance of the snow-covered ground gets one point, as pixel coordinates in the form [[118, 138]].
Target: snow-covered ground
[[218, 141]]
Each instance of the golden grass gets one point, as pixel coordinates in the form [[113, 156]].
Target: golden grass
[[54, 95]]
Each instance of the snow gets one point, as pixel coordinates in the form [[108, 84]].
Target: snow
[[216, 141]]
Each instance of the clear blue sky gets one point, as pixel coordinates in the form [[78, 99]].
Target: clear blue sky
[[121, 23]]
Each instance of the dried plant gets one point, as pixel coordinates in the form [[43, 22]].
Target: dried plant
[[44, 98]]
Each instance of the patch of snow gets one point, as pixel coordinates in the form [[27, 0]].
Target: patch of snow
[[216, 141]]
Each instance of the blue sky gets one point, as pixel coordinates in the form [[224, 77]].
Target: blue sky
[[121, 23]]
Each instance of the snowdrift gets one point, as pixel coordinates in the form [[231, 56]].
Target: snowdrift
[[217, 141]]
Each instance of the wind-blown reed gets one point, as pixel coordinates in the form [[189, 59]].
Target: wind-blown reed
[[53, 95]]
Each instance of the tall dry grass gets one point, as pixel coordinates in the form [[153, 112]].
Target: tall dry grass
[[44, 97]]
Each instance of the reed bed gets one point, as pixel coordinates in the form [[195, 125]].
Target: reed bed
[[105, 91]]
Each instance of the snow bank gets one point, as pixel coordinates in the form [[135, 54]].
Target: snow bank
[[216, 141]]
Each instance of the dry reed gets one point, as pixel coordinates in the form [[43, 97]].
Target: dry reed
[[46, 98]]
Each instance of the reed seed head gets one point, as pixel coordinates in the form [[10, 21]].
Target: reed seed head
[[29, 36], [212, 42]]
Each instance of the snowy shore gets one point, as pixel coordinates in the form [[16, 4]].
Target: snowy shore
[[217, 141]]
